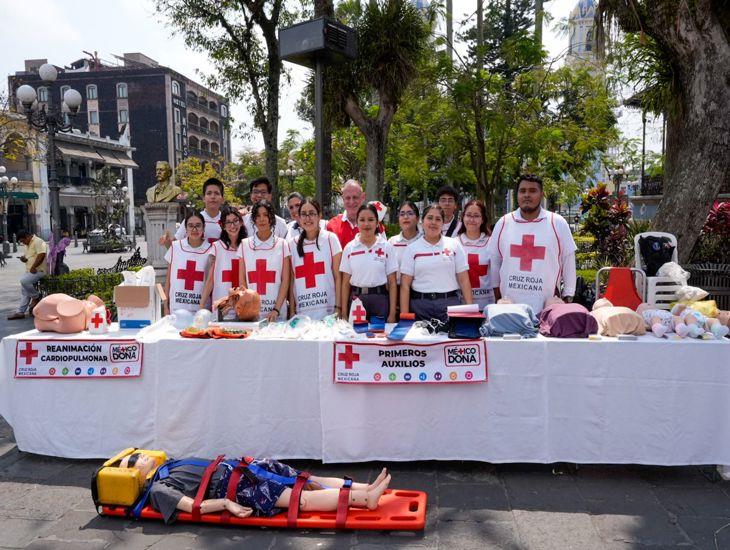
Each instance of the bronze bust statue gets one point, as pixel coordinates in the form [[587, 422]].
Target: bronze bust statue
[[164, 190]]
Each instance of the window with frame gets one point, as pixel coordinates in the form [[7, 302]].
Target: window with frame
[[123, 116], [63, 90], [178, 141], [91, 92], [93, 117], [121, 90], [176, 115], [224, 110], [175, 88], [42, 94]]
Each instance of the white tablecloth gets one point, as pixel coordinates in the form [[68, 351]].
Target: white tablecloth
[[546, 400], [649, 401], [195, 397]]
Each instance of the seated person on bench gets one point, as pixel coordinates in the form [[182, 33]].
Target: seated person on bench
[[256, 492]]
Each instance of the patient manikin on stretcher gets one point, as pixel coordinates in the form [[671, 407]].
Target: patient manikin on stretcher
[[144, 484]]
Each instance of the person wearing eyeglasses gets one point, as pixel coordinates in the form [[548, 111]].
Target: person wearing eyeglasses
[[434, 271], [224, 271], [448, 199], [474, 237], [187, 265], [294, 227], [315, 259], [260, 190], [213, 198], [409, 231]]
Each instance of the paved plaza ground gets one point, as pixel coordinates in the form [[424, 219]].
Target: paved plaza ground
[[45, 503]]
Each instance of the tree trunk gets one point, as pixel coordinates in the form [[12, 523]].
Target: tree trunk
[[375, 140], [698, 134], [375, 130]]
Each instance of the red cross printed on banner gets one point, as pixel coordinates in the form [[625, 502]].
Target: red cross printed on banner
[[527, 252], [190, 275], [97, 320], [232, 275], [379, 252], [348, 357], [378, 206], [309, 270], [261, 277], [476, 270], [29, 353], [359, 314]]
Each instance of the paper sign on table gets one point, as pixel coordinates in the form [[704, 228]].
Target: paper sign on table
[[453, 361]]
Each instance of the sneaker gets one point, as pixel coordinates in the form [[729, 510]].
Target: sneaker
[[16, 315], [33, 303]]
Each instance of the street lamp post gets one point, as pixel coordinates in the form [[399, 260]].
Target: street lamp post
[[119, 196], [50, 120], [291, 171], [5, 194]]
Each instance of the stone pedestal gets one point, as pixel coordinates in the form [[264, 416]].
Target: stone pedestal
[[158, 218]]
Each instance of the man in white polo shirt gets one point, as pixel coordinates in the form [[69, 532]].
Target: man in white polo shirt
[[260, 190], [532, 250]]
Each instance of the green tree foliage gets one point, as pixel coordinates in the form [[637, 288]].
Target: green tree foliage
[[392, 39], [607, 220], [677, 56], [241, 40], [191, 174]]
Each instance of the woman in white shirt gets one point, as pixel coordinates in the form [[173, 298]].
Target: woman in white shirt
[[369, 269], [433, 271], [474, 236], [409, 231], [187, 264], [315, 257], [224, 272], [266, 267]]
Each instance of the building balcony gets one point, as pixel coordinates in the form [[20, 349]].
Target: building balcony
[[204, 131], [22, 175], [654, 187], [202, 108], [76, 180], [196, 152]]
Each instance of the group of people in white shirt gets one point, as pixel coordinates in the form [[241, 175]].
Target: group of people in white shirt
[[316, 269]]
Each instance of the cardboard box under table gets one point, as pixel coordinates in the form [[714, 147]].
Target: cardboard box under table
[[138, 306]]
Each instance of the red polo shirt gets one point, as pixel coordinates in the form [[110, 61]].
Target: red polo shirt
[[341, 227], [346, 231]]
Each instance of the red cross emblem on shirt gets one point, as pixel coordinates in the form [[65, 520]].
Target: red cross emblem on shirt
[[527, 252], [261, 277], [359, 314], [476, 270], [97, 320], [232, 275], [348, 357], [190, 275], [447, 252], [379, 252], [309, 270], [29, 353]]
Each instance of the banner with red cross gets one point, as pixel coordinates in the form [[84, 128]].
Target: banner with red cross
[[71, 359], [451, 362]]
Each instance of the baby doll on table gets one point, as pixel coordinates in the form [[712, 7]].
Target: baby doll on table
[[682, 320]]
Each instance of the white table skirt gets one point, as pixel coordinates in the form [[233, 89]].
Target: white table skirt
[[650, 401], [195, 397]]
